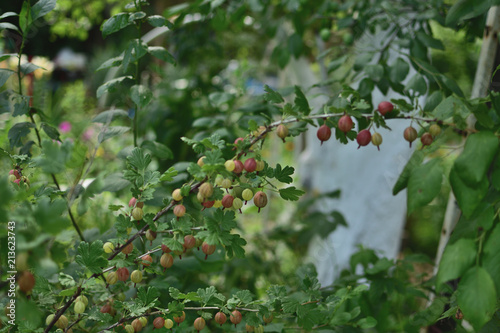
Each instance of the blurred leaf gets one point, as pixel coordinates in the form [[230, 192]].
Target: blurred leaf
[[467, 9], [272, 96], [415, 160], [417, 84], [433, 101], [5, 74], [48, 215], [112, 62], [399, 70], [429, 41], [51, 132], [374, 72], [457, 258], [301, 101], [159, 21], [106, 117], [424, 184], [474, 162], [468, 197], [29, 67], [450, 107], [158, 149], [111, 131], [168, 175], [477, 297]]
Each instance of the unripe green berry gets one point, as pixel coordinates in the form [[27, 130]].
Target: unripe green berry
[[176, 194], [150, 235], [79, 307], [237, 203], [226, 183], [377, 139], [136, 276], [218, 180], [282, 131], [144, 321], [129, 328], [201, 162], [247, 194], [108, 247], [229, 165], [435, 130], [62, 322], [137, 213], [169, 324], [83, 299], [260, 166], [111, 278], [49, 318]]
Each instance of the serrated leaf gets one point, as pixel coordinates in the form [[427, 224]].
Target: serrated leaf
[[173, 244], [477, 297], [283, 174], [196, 171], [115, 23], [272, 96], [457, 258], [424, 184], [301, 102], [90, 256], [147, 296], [168, 175], [291, 193]]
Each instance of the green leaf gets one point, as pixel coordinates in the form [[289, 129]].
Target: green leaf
[[8, 14], [140, 95], [283, 175], [4, 75], [477, 297], [90, 256], [295, 45], [111, 131], [136, 16], [272, 96], [168, 175], [173, 244], [108, 116], [491, 257], [473, 164], [424, 184], [301, 101], [467, 9], [138, 160], [48, 215], [136, 49], [51, 132], [113, 62], [468, 197], [417, 84], [158, 149], [42, 8], [29, 67], [147, 296], [457, 258], [21, 105], [450, 107], [399, 70], [415, 160], [374, 72], [291, 193], [162, 54], [25, 19], [452, 85], [159, 21], [367, 322], [433, 101], [429, 41], [111, 85], [115, 23], [18, 132]]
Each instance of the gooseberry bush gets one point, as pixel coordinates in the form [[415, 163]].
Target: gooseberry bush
[[121, 279]]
